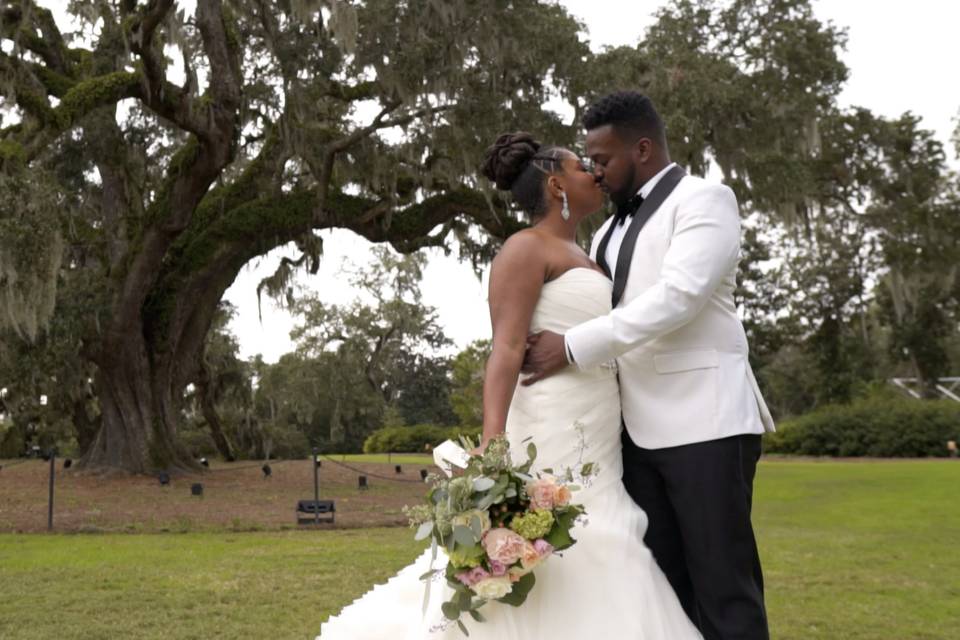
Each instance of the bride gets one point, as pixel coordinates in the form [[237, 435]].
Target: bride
[[608, 584]]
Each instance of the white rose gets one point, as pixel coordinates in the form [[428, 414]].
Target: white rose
[[493, 588]]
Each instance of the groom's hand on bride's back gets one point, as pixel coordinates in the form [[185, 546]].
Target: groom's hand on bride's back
[[546, 354]]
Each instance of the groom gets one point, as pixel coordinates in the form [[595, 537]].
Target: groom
[[692, 412]]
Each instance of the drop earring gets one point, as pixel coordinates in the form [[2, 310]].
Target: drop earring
[[565, 212]]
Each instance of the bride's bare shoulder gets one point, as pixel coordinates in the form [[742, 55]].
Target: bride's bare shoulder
[[526, 242], [525, 249]]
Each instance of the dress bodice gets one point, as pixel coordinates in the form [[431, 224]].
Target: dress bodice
[[576, 296], [574, 415]]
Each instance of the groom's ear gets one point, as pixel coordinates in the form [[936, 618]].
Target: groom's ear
[[642, 150]]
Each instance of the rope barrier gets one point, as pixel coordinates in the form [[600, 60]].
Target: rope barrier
[[273, 463], [370, 473], [258, 465]]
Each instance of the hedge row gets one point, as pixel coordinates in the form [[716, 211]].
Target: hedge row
[[414, 439], [883, 427]]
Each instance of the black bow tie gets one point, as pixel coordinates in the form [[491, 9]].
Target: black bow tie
[[628, 209]]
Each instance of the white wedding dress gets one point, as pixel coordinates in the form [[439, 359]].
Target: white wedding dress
[[608, 584]]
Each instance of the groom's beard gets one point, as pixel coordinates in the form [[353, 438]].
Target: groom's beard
[[621, 196]]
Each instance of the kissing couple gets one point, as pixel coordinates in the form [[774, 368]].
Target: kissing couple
[[636, 355]]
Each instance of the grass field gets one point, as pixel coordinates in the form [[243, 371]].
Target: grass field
[[851, 550]]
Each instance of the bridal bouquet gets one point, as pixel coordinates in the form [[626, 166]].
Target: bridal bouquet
[[496, 522]]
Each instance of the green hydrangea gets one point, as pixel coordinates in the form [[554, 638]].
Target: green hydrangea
[[533, 524], [466, 557]]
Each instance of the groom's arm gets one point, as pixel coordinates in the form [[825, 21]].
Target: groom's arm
[[703, 249]]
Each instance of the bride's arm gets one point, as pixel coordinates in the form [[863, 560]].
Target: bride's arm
[[516, 277]]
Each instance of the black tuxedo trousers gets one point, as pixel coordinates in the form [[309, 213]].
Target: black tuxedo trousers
[[698, 498]]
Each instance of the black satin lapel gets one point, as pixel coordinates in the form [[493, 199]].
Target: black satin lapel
[[650, 205], [602, 248]]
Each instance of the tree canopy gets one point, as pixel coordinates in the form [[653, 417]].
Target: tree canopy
[[148, 153]]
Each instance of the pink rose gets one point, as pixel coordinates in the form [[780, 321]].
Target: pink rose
[[472, 576], [497, 568], [561, 496], [543, 547], [503, 545], [534, 553], [530, 557], [541, 492]]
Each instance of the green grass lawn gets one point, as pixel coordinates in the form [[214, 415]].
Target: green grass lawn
[[851, 551], [856, 550]]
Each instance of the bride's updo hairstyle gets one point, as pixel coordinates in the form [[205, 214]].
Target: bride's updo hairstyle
[[519, 164]]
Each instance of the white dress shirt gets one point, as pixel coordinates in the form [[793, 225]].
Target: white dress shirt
[[616, 236]]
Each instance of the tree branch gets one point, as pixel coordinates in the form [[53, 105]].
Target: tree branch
[[220, 42], [21, 20], [159, 94], [80, 100]]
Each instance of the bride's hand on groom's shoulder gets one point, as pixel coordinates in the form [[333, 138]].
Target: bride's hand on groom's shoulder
[[546, 355]]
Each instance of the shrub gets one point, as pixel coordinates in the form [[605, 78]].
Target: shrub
[[883, 427], [414, 439]]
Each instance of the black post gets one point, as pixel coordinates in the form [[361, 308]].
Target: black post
[[53, 456], [316, 489]]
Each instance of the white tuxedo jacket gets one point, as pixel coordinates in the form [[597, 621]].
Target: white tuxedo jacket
[[675, 334]]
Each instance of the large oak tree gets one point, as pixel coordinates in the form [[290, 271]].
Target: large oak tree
[[150, 191]]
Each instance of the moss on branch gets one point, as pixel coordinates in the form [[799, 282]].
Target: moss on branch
[[90, 94], [11, 153], [55, 83]]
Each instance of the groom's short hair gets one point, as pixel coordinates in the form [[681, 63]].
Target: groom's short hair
[[630, 113]]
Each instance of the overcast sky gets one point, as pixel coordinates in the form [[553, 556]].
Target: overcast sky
[[902, 57]]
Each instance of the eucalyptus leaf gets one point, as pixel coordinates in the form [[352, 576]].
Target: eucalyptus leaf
[[423, 531], [483, 483], [464, 536], [476, 526], [450, 610]]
